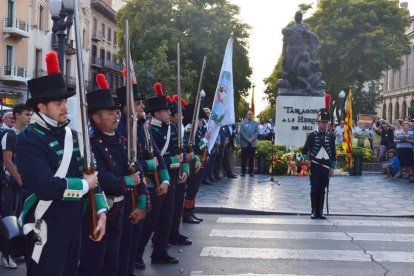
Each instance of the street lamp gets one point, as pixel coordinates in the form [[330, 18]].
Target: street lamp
[[342, 96], [60, 10]]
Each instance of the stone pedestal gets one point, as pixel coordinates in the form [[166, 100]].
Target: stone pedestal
[[295, 118]]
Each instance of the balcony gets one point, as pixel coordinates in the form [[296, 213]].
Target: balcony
[[69, 47], [39, 73], [14, 74], [97, 62], [98, 36], [113, 65], [70, 81], [16, 28]]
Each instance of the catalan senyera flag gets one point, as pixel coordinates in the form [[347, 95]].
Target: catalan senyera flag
[[252, 104], [347, 141]]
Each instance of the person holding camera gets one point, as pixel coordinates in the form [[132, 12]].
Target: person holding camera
[[404, 139], [387, 140]]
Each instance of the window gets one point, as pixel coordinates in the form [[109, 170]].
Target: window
[[109, 35], [40, 18], [108, 56], [95, 24], [38, 63], [9, 59], [115, 34], [103, 29], [10, 13]]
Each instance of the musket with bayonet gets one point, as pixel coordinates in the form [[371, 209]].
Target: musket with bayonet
[[88, 162], [149, 147], [179, 109], [194, 121], [130, 110]]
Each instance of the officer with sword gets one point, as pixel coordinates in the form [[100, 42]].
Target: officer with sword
[[319, 153]]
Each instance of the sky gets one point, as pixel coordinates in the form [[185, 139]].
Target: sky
[[267, 19]]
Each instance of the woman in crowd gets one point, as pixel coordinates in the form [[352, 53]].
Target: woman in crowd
[[404, 139]]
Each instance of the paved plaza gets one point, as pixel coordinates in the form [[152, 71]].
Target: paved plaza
[[366, 195]]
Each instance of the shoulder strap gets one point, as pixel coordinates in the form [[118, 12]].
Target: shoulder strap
[[167, 141]]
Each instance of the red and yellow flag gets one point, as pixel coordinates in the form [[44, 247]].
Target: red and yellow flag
[[347, 141]]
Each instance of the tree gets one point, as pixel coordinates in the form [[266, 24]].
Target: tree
[[242, 106], [359, 39], [202, 27], [268, 113]]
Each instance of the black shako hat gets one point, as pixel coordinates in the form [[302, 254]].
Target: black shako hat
[[173, 104], [121, 94], [159, 101], [51, 87], [323, 115], [188, 114], [102, 98]]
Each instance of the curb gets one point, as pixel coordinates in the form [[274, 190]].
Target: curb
[[236, 211]]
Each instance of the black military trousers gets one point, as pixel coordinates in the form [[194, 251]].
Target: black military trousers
[[193, 184], [126, 238], [101, 258], [178, 209], [319, 177], [136, 234], [158, 221], [60, 255]]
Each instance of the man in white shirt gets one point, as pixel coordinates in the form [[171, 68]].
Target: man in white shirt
[[339, 133]]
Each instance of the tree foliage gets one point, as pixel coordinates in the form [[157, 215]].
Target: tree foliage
[[359, 39], [202, 27]]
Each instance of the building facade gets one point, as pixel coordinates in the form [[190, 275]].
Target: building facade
[[104, 46], [398, 85], [15, 33]]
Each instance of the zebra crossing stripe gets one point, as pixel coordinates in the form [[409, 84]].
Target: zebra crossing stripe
[[292, 235], [307, 254], [329, 222], [200, 273]]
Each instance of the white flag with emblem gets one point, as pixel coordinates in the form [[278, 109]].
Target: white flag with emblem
[[222, 112]]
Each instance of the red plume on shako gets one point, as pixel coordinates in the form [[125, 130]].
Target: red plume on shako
[[158, 89], [52, 63], [101, 81], [169, 100]]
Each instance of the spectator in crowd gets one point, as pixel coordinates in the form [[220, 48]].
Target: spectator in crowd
[[8, 120], [249, 131], [229, 149], [263, 131], [362, 135], [339, 133], [217, 166], [11, 181], [397, 125], [376, 135], [387, 140], [392, 167], [404, 142]]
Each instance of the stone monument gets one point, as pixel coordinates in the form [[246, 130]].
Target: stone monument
[[301, 90]]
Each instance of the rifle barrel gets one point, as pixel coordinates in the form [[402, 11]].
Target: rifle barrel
[[87, 153]]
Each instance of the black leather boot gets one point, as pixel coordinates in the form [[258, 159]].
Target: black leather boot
[[321, 201], [314, 205], [188, 218]]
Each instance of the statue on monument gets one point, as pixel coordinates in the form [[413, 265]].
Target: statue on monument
[[301, 73]]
